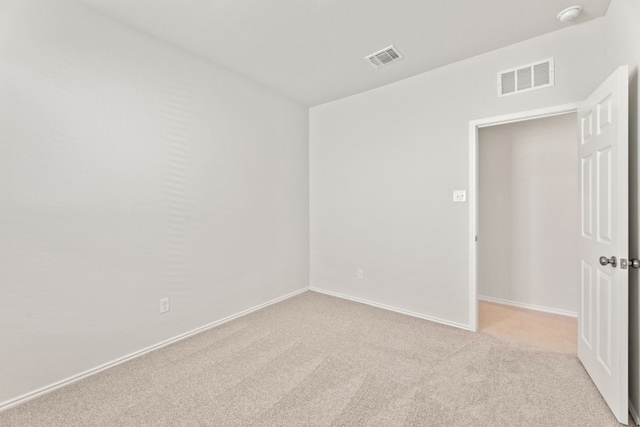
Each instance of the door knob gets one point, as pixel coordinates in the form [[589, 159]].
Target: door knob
[[613, 261], [634, 263]]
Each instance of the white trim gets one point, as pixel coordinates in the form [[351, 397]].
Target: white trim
[[474, 125], [634, 414], [47, 389], [473, 228], [391, 308], [525, 115], [528, 306]]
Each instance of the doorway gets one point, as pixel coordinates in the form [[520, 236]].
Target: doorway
[[474, 134], [528, 288]]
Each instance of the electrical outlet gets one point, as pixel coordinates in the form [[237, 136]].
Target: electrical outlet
[[164, 305], [360, 274]]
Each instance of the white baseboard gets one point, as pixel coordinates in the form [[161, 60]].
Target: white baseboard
[[528, 306], [634, 414], [391, 308], [47, 389]]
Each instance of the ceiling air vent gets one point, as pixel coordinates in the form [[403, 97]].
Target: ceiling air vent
[[526, 77], [383, 57]]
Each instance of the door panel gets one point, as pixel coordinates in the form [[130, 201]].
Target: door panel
[[604, 321], [587, 297], [603, 313], [585, 205], [603, 178]]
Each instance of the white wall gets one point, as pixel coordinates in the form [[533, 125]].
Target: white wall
[[527, 204], [623, 47], [132, 171], [384, 164]]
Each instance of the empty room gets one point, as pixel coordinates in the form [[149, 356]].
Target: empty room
[[296, 213]]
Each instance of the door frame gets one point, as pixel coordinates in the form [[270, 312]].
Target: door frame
[[474, 126]]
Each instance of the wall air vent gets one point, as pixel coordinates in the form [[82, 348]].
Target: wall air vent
[[533, 76], [383, 57]]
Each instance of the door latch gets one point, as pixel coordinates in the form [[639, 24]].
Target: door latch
[[633, 263]]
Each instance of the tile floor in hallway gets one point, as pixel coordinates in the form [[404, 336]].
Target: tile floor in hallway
[[549, 331]]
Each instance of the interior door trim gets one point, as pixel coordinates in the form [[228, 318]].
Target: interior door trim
[[474, 126]]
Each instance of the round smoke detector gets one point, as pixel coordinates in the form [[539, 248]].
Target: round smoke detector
[[570, 13]]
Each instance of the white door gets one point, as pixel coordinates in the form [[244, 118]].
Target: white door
[[603, 312]]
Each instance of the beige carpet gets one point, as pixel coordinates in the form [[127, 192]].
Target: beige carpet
[[318, 360]]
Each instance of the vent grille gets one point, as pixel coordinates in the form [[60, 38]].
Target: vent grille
[[541, 74], [508, 82], [524, 78], [383, 57]]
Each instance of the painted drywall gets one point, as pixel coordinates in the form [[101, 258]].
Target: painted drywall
[[131, 171], [527, 222], [623, 47], [384, 165]]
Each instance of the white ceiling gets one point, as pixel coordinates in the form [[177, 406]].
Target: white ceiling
[[313, 50]]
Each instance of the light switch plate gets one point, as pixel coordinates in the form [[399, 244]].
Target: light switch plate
[[164, 305], [460, 196]]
